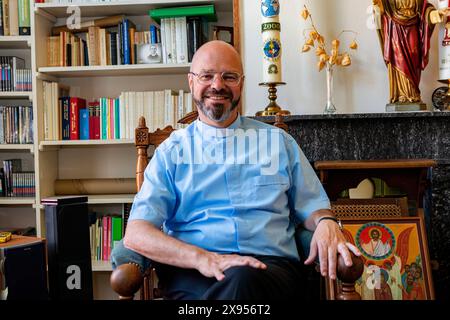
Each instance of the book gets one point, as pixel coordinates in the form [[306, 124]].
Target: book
[[13, 18], [65, 117], [5, 16], [84, 124], [194, 35], [207, 12], [75, 105], [24, 18]]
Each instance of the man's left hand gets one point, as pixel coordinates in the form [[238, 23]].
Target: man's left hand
[[327, 242]]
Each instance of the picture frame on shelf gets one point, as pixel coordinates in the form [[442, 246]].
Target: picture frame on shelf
[[396, 259]]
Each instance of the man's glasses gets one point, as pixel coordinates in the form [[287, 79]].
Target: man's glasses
[[231, 79]]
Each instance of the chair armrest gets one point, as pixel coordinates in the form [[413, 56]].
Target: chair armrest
[[129, 268]]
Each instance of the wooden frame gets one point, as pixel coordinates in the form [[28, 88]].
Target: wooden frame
[[396, 269]]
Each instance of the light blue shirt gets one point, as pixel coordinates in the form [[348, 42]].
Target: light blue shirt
[[236, 190]]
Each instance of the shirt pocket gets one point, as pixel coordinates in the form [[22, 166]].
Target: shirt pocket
[[268, 193]]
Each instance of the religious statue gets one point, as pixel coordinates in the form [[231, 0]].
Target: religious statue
[[405, 28]]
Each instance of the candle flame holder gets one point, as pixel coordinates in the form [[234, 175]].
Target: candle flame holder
[[272, 108]]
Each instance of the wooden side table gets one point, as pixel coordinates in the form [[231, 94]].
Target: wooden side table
[[408, 175]]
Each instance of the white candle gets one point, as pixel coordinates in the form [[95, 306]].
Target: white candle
[[271, 44], [444, 45]]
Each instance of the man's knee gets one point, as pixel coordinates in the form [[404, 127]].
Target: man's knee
[[243, 275]]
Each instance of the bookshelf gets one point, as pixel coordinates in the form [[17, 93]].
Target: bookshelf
[[116, 71], [17, 147], [16, 211], [76, 159], [17, 201], [15, 42], [16, 95], [47, 145], [132, 8]]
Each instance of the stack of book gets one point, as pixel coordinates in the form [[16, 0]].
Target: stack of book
[[16, 124], [15, 18], [14, 182], [13, 75]]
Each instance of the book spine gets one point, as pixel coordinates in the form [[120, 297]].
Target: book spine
[[65, 114], [24, 18], [91, 121], [97, 122], [5, 13], [126, 42], [75, 105], [84, 124], [116, 119]]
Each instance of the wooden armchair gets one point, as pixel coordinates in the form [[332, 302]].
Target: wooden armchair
[[133, 274]]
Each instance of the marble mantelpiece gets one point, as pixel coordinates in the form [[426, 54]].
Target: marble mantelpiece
[[411, 135]]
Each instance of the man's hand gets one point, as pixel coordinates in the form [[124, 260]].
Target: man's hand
[[213, 264], [326, 243]]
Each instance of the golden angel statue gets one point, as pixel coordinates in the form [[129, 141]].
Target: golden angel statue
[[405, 28]]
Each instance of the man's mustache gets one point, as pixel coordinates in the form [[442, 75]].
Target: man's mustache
[[214, 92]]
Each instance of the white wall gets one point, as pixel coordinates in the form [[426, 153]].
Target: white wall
[[361, 88]]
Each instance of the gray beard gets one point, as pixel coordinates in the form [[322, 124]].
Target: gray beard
[[218, 112]]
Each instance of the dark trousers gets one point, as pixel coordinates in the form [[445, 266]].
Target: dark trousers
[[283, 279]]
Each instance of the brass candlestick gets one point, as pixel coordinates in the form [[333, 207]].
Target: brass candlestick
[[272, 108]]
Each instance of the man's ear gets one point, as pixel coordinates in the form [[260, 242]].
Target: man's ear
[[191, 82]]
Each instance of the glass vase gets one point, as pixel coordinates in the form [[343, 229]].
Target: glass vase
[[330, 107]]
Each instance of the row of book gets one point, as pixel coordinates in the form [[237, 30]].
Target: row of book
[[13, 75], [14, 182], [180, 38], [15, 18], [115, 40], [105, 231], [113, 45], [73, 118], [16, 124]]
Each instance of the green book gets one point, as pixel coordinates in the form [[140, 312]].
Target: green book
[[116, 230], [24, 17], [207, 11]]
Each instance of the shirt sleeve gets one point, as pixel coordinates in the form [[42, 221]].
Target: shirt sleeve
[[155, 202], [306, 194]]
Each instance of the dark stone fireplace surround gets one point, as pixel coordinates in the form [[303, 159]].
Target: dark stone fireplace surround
[[411, 135]]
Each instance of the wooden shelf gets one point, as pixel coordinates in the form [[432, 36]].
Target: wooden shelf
[[104, 198], [110, 198], [15, 42], [100, 265], [18, 147], [17, 201], [16, 95], [83, 143], [129, 8], [116, 71]]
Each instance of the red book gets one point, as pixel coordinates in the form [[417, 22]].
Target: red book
[[91, 108], [97, 121], [105, 256], [75, 105]]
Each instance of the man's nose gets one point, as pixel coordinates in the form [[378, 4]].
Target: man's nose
[[217, 82]]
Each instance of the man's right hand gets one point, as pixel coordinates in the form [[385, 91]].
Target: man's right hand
[[213, 264]]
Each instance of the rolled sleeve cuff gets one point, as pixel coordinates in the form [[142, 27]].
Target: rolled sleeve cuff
[[314, 206], [143, 213]]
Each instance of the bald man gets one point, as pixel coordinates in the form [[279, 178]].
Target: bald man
[[227, 192]]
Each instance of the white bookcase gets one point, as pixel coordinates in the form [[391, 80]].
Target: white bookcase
[[53, 160]]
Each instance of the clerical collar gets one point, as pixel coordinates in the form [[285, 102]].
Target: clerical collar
[[208, 131]]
